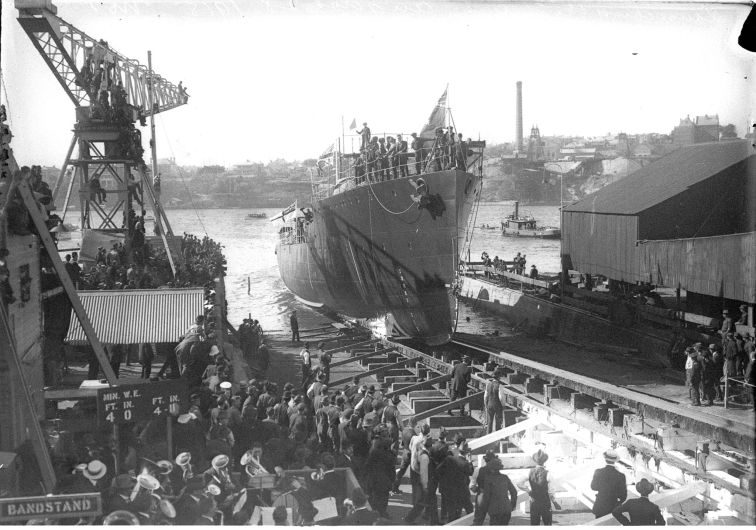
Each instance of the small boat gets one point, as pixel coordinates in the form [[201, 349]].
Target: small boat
[[526, 226], [487, 227], [257, 215]]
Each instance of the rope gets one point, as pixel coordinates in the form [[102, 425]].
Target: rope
[[370, 186], [181, 176]]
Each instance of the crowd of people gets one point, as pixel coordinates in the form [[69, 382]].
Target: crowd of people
[[708, 370], [387, 158], [137, 265], [517, 265]]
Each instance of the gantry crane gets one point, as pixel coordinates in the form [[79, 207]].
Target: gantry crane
[[110, 92]]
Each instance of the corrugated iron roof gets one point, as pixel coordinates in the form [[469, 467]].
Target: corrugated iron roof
[[134, 316], [664, 178]]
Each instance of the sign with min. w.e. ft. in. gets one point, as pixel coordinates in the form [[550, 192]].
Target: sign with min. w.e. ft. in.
[[50, 507], [124, 403]]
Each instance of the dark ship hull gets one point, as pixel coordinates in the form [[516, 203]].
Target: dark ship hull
[[371, 250]]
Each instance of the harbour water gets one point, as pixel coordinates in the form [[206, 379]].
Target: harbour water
[[250, 251]]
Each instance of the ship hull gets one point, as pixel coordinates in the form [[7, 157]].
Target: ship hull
[[545, 233], [371, 250]]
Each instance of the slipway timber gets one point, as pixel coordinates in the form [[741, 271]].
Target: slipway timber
[[700, 460]]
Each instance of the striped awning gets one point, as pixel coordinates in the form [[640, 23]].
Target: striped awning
[[133, 316]]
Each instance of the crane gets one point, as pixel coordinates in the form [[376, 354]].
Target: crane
[[110, 92]]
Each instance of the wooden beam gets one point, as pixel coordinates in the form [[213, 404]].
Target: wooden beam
[[359, 357], [420, 386], [65, 280], [504, 433], [374, 371], [341, 348], [663, 499], [443, 408]]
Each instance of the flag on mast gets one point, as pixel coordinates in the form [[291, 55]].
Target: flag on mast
[[437, 117], [353, 124]]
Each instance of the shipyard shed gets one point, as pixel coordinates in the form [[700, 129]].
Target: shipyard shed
[[686, 220]]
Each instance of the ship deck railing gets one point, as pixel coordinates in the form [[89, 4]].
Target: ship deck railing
[[339, 167], [506, 277]]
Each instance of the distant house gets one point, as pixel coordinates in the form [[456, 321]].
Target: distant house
[[704, 129], [707, 128]]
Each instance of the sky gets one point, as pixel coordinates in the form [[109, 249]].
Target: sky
[[273, 79]]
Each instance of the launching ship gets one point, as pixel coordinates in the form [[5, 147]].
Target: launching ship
[[372, 243]]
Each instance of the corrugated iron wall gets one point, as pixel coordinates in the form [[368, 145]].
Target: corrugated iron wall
[[716, 266], [602, 244], [138, 316]]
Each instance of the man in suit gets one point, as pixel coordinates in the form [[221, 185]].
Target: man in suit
[[365, 135], [417, 147], [188, 505], [492, 402], [460, 379], [401, 156], [642, 511], [610, 486], [498, 496], [362, 515]]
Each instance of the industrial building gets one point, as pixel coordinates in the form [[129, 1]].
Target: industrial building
[[685, 221]]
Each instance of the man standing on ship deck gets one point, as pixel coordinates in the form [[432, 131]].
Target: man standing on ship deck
[[365, 133], [417, 147], [401, 156]]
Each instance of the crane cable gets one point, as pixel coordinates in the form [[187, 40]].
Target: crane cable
[[181, 176]]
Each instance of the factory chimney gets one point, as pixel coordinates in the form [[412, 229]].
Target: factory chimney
[[518, 131]]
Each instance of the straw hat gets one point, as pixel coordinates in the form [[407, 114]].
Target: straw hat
[[610, 456], [225, 385], [95, 470], [214, 350]]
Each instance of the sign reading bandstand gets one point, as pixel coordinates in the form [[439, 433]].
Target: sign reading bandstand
[[50, 507], [138, 402]]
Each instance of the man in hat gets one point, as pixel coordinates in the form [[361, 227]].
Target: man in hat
[[642, 511], [417, 147], [541, 495], [325, 362], [498, 496], [119, 497], [306, 360], [207, 508], [693, 372], [360, 514], [492, 402], [188, 504], [365, 134], [391, 417], [379, 475], [454, 473], [610, 486], [294, 324], [461, 375], [95, 473], [420, 478], [728, 325], [533, 272]]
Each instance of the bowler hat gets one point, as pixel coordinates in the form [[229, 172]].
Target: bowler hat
[[644, 487], [123, 482], [195, 483], [490, 455], [358, 497]]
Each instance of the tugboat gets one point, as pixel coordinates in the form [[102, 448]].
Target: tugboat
[[526, 226], [386, 242]]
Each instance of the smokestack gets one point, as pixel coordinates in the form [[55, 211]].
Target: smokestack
[[518, 131]]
